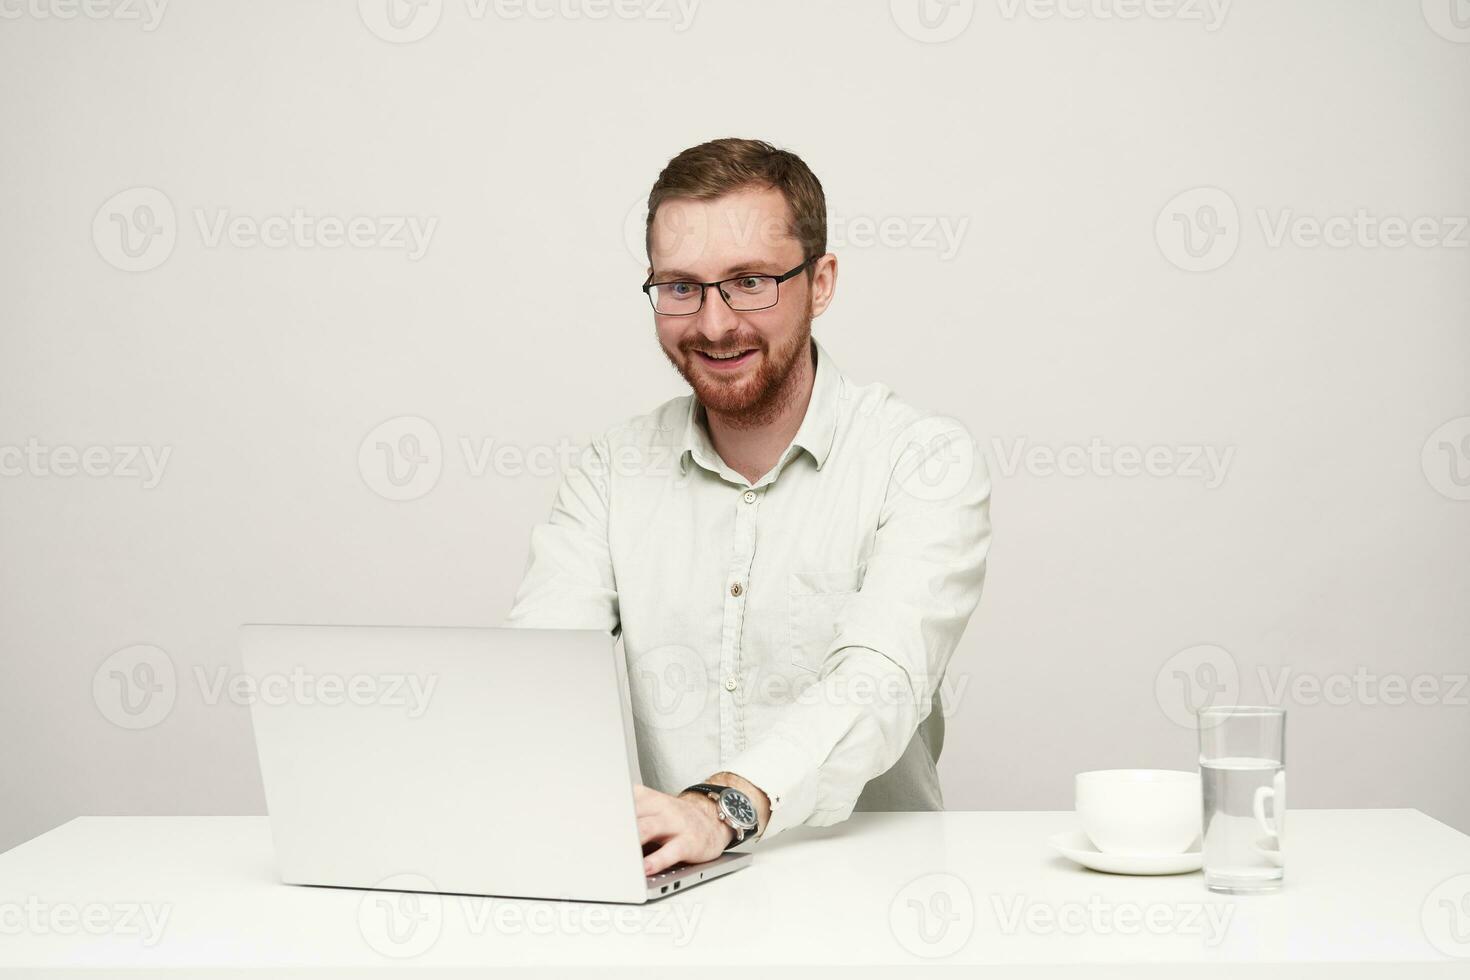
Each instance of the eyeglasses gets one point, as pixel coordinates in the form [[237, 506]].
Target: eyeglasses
[[743, 294]]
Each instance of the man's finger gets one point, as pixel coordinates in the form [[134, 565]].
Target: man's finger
[[656, 826], [665, 857]]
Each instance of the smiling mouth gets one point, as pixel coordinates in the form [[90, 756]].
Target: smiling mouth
[[725, 359]]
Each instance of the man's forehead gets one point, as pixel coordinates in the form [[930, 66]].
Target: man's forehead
[[744, 223]]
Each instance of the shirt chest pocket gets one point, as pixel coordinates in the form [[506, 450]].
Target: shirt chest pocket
[[814, 604]]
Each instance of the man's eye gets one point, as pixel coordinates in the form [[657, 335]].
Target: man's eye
[[681, 289], [749, 282]]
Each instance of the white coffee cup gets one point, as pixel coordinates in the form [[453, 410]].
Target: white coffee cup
[[1140, 811]]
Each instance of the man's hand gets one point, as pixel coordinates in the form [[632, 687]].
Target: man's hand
[[680, 828], [687, 827]]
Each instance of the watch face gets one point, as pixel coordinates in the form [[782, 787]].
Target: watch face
[[738, 808]]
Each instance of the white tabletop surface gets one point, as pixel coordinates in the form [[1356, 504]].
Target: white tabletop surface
[[1362, 886]]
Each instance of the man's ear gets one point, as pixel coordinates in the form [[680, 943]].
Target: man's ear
[[824, 283]]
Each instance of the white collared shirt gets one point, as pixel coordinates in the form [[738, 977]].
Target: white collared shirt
[[795, 630]]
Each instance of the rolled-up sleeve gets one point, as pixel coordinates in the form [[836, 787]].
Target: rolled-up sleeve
[[569, 583], [893, 643]]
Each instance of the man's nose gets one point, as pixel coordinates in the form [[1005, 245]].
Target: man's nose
[[716, 318]]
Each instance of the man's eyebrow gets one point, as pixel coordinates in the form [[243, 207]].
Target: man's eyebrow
[[760, 268]]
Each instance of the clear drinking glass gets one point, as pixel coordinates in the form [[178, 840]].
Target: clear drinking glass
[[1242, 762]]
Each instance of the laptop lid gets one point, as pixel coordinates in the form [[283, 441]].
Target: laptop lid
[[481, 761]]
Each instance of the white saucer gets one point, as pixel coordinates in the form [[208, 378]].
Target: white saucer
[[1075, 845]]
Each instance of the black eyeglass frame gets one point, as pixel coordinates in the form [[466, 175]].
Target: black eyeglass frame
[[705, 286]]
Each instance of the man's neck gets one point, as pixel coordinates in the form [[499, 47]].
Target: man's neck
[[751, 450]]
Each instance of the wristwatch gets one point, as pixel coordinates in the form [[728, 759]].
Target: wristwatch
[[732, 807]]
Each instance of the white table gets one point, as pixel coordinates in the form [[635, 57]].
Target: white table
[[1360, 888]]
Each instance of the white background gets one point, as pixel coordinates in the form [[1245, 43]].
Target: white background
[[1334, 548]]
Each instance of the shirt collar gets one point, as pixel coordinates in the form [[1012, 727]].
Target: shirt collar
[[815, 436]]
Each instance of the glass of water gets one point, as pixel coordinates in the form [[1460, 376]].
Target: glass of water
[[1242, 762]]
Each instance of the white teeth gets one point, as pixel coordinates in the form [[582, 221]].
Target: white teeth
[[722, 357]]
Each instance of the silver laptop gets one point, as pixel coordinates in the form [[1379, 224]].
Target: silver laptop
[[471, 761]]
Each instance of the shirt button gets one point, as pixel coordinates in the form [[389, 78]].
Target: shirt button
[[736, 590], [730, 684], [750, 496]]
